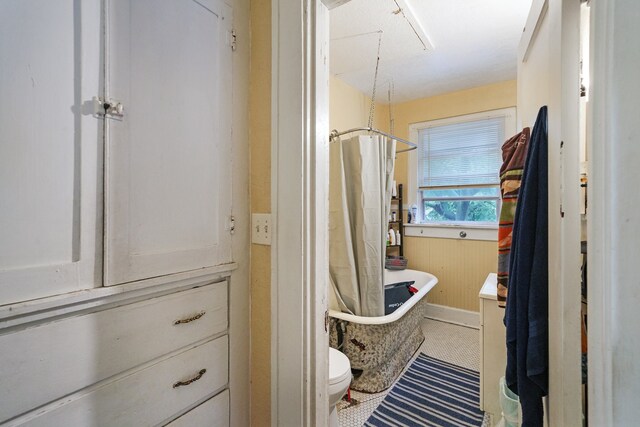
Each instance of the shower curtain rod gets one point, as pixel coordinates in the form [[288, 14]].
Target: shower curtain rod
[[334, 134]]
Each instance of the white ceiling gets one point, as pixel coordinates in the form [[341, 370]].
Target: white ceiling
[[474, 44]]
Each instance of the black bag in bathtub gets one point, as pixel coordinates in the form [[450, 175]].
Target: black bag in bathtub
[[397, 294]]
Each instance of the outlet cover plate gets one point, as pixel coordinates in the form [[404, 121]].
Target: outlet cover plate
[[261, 228]]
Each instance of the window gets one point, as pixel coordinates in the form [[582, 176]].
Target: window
[[457, 166]]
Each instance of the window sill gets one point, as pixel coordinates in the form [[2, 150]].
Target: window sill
[[453, 231]]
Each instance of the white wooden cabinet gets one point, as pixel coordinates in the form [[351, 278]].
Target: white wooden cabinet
[[118, 365], [212, 413], [146, 397], [167, 157], [50, 149], [89, 348], [115, 229], [168, 168], [493, 348]]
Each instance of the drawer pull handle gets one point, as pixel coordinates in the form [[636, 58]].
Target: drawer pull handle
[[187, 382], [190, 319]]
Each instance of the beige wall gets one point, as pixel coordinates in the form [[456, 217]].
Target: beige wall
[[260, 141], [460, 265], [468, 101], [349, 108]]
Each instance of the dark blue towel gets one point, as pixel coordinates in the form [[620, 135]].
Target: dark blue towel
[[526, 316]]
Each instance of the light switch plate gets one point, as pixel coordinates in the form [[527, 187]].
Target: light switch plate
[[261, 228]]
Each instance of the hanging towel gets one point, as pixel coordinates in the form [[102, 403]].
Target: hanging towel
[[514, 153], [526, 315]]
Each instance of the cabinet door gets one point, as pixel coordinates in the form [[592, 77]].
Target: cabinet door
[[168, 161], [50, 148], [212, 413]]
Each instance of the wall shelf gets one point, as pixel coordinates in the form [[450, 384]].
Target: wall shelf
[[397, 225]]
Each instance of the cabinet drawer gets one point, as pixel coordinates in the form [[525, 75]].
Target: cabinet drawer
[[146, 397], [212, 413], [43, 363]]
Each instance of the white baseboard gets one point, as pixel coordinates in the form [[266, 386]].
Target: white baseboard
[[456, 316]]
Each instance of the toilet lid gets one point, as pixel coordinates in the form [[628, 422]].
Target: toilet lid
[[339, 366]]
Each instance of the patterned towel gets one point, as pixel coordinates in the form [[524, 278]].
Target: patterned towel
[[514, 153]]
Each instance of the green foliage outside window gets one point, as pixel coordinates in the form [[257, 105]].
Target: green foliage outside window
[[461, 205]]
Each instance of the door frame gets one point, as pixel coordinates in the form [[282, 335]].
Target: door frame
[[565, 259], [558, 49], [299, 206], [299, 257], [613, 219]]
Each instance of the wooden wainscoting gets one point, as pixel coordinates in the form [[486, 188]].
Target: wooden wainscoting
[[461, 267]]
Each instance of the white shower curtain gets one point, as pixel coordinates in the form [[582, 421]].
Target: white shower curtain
[[361, 176]]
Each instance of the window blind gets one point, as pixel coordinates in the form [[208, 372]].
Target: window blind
[[461, 154]]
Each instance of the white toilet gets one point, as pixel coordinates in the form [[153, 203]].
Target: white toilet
[[339, 380]]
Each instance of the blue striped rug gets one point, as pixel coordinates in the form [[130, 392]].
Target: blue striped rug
[[431, 393]]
